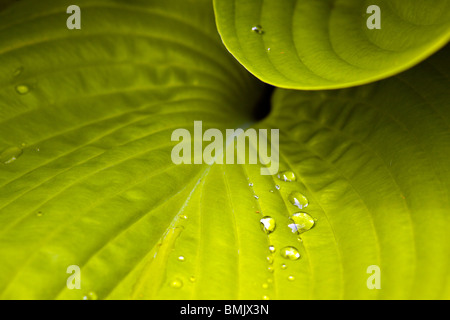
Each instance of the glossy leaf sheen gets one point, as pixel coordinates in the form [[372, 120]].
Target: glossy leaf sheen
[[95, 185], [313, 45]]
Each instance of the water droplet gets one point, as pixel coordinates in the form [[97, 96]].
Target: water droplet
[[283, 266], [180, 258], [287, 176], [176, 284], [18, 72], [271, 190], [268, 224], [277, 187], [269, 259], [272, 249], [290, 253], [266, 298], [270, 269], [192, 279], [250, 184], [258, 29], [184, 217], [22, 89], [299, 239], [298, 200], [10, 155], [301, 222], [39, 214], [291, 278], [256, 197], [268, 49], [265, 285], [91, 296]]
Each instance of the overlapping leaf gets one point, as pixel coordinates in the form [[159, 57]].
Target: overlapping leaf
[[313, 45]]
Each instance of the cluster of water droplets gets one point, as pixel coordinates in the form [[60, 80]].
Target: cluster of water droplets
[[179, 282], [299, 222], [22, 88]]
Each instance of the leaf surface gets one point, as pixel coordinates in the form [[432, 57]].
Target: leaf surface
[[86, 120]]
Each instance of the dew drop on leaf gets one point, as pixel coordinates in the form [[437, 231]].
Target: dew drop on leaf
[[270, 269], [301, 222], [287, 176], [266, 298], [270, 259], [277, 187], [290, 253], [181, 258], [272, 249], [91, 296], [258, 29], [268, 224], [176, 284], [265, 285], [291, 278], [10, 155], [298, 200], [22, 89], [18, 72], [283, 266]]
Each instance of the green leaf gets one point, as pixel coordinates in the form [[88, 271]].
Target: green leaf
[[374, 162], [314, 45], [87, 179], [93, 111]]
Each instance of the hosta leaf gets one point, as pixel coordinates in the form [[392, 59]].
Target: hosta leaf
[[309, 44], [87, 178], [92, 112], [374, 163]]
